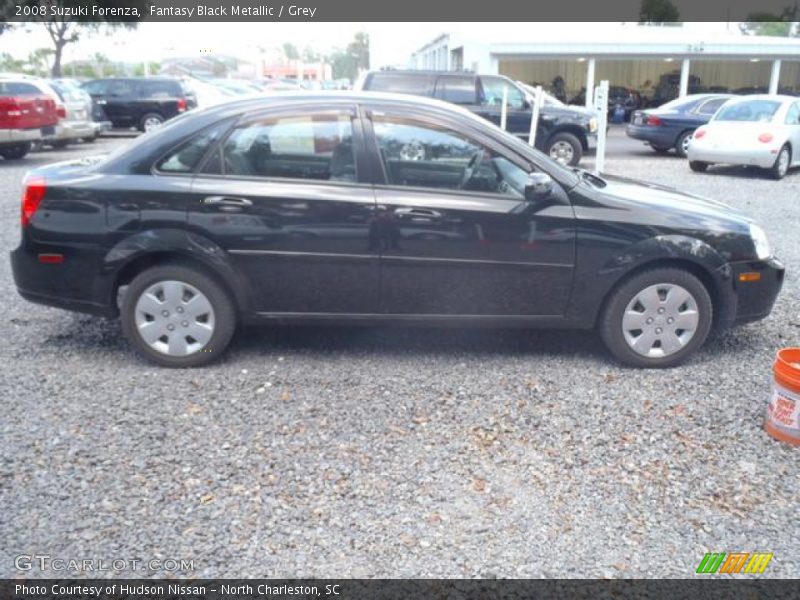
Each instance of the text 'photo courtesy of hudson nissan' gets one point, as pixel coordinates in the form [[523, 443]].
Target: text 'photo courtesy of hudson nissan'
[[321, 301]]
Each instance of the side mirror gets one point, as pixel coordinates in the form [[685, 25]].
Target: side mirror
[[538, 187]]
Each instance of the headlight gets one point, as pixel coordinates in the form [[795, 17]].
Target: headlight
[[592, 125], [759, 241]]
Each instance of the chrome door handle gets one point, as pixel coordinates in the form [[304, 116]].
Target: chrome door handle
[[424, 213], [227, 203]]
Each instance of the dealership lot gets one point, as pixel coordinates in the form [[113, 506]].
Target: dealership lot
[[399, 452]]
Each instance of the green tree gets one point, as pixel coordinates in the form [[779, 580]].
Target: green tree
[[290, 51], [346, 64], [763, 23], [38, 60], [10, 64], [658, 12]]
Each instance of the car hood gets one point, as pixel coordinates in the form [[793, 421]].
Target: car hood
[[666, 206]]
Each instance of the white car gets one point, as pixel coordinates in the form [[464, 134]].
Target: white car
[[761, 130]]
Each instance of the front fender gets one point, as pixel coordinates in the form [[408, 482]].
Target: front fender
[[172, 242]]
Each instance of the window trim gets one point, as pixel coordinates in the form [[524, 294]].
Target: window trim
[[412, 115]]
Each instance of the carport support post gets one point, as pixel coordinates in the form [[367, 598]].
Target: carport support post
[[504, 108], [589, 82], [684, 78], [775, 77], [535, 109]]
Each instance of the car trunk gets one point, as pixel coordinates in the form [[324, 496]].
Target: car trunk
[[27, 112]]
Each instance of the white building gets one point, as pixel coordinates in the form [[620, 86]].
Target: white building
[[648, 59]]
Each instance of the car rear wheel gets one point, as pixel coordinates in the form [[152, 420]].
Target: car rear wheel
[[782, 162], [151, 121], [682, 143], [59, 143], [16, 151], [698, 166], [660, 149], [565, 148], [657, 319], [177, 317]]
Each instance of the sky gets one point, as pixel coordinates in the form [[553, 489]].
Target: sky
[[156, 41]]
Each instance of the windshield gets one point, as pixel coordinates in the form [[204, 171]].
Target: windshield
[[548, 99], [752, 111]]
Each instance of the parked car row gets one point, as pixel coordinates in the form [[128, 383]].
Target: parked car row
[[758, 130]]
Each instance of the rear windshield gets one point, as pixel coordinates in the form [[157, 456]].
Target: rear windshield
[[19, 88], [755, 111], [400, 83]]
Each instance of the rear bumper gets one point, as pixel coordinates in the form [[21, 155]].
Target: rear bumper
[[15, 136], [750, 301], [755, 157], [71, 130], [652, 135]]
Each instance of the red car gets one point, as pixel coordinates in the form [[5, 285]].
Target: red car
[[26, 115]]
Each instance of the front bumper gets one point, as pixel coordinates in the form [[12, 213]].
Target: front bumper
[[15, 136], [756, 157], [748, 301]]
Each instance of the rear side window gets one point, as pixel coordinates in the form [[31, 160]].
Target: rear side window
[[120, 88], [710, 107], [312, 146], [793, 115], [160, 89], [188, 155], [401, 83], [96, 87], [19, 88], [458, 90]]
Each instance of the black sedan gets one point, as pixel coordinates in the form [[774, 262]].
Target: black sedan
[[362, 208], [671, 125]]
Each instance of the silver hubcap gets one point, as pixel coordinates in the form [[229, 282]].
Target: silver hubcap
[[152, 123], [562, 152], [685, 143], [412, 151], [174, 318], [783, 161], [660, 320]]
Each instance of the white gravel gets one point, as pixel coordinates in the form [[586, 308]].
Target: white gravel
[[401, 453]]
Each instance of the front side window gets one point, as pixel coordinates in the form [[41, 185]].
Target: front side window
[[755, 111], [492, 93], [417, 154], [312, 146], [120, 88], [793, 115]]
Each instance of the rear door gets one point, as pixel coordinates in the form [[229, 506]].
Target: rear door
[[286, 197]]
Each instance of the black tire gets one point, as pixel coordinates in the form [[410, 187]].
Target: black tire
[[150, 116], [574, 143], [90, 140], [611, 319], [221, 303], [660, 149], [698, 166], [679, 143], [16, 151], [58, 144], [776, 171]]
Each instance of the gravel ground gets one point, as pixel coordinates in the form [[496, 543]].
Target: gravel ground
[[380, 452]]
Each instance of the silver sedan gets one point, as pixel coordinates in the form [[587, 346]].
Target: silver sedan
[[762, 131]]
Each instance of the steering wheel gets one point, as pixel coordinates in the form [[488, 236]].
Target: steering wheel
[[470, 169]]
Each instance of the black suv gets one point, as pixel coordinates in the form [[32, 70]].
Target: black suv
[[563, 132], [366, 208], [143, 102]]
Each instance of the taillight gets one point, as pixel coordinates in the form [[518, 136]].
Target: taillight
[[653, 120], [181, 104], [61, 111], [9, 112], [765, 138], [699, 133], [35, 188]]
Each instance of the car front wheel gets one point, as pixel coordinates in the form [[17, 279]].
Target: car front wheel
[[565, 148], [782, 162], [698, 166], [657, 318], [177, 316]]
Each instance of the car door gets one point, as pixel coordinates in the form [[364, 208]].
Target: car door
[[283, 197], [455, 234], [120, 103]]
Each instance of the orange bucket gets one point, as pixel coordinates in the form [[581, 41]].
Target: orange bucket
[[783, 412]]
